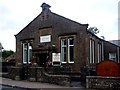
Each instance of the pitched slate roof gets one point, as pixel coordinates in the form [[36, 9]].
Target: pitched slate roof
[[116, 42]]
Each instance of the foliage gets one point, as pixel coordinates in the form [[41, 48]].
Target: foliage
[[93, 30], [6, 53]]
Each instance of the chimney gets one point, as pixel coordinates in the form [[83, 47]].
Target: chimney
[[45, 7]]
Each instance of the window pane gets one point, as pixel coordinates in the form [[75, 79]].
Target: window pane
[[30, 47], [63, 54], [25, 46], [112, 56], [71, 41], [70, 49], [25, 56], [63, 41], [99, 52], [63, 50], [30, 54], [92, 51], [71, 54]]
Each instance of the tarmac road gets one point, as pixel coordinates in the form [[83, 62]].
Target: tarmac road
[[9, 88]]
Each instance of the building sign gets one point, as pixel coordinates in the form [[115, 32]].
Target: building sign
[[46, 38], [55, 59]]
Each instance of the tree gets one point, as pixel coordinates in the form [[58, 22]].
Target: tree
[[6, 53], [93, 30]]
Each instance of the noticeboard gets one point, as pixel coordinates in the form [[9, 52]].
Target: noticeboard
[[56, 59]]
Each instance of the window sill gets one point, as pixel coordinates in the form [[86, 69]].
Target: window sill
[[24, 62], [71, 62], [63, 62]]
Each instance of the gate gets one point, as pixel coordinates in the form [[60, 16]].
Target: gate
[[108, 68]]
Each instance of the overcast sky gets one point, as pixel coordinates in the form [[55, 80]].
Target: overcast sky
[[16, 14]]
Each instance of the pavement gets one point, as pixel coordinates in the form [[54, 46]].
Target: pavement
[[35, 85], [27, 84]]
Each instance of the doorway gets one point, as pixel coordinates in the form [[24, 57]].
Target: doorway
[[42, 59]]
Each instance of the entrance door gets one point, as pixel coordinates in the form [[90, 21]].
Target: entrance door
[[42, 58]]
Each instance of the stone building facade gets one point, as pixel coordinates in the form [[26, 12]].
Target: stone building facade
[[51, 34]]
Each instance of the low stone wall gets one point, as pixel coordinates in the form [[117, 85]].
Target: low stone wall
[[39, 74], [4, 66], [15, 73], [102, 82]]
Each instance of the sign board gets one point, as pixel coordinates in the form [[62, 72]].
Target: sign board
[[46, 38], [56, 59]]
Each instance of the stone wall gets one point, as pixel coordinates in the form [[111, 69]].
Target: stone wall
[[15, 73], [39, 74], [43, 76], [102, 82]]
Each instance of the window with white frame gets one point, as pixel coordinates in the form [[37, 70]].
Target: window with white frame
[[63, 50], [112, 56], [67, 50], [99, 52], [92, 51], [70, 50], [25, 46], [27, 53]]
